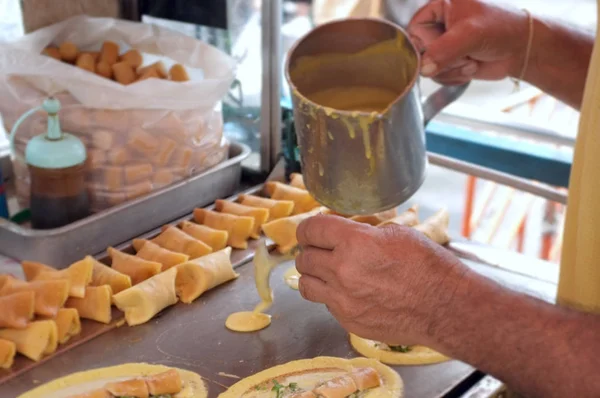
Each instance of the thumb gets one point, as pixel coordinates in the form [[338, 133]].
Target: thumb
[[453, 45]]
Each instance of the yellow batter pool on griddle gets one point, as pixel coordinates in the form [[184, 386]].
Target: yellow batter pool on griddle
[[252, 321]]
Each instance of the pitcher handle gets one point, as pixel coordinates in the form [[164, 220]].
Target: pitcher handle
[[441, 98], [18, 123]]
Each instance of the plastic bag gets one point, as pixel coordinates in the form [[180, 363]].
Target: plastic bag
[[139, 137]]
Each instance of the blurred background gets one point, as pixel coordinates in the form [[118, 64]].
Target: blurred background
[[480, 210]]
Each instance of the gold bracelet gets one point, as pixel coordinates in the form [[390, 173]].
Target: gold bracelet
[[517, 82]]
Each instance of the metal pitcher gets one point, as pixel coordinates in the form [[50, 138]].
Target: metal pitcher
[[372, 159]]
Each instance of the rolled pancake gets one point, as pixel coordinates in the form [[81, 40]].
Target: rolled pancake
[[174, 239], [99, 393], [283, 231], [79, 275], [50, 295], [95, 379], [168, 382], [128, 388], [239, 228], [307, 374], [32, 268], [8, 350], [409, 218], [104, 275], [260, 215], [152, 252], [4, 278], [215, 238], [68, 324], [96, 305], [303, 201], [53, 336], [16, 309], [303, 394], [365, 378], [141, 302], [436, 227], [277, 208], [136, 268], [377, 218], [197, 276], [418, 355], [37, 339], [297, 181], [338, 387]]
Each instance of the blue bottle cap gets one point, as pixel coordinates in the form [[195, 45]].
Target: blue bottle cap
[[55, 149]]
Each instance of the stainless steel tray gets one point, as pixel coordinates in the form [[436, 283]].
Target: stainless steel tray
[[91, 329], [61, 246], [238, 256]]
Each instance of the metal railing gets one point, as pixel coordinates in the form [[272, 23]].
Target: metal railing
[[522, 184], [480, 119]]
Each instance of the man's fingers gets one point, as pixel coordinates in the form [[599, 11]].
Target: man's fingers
[[456, 43], [430, 13], [316, 262], [440, 47], [323, 231], [460, 64], [427, 24], [459, 75], [451, 82], [313, 289]]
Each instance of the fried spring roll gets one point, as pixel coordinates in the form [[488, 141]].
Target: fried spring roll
[[16, 309]]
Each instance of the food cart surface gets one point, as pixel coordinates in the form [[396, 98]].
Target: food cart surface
[[194, 337]]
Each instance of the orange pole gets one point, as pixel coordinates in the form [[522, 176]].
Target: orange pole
[[557, 246], [521, 235], [547, 242], [468, 210], [532, 103], [517, 229], [484, 200], [498, 217], [555, 251], [549, 231]]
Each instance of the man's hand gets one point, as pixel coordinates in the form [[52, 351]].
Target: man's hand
[[388, 284], [466, 39], [395, 286]]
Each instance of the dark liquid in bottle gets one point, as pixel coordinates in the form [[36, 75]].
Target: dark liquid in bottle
[[58, 196]]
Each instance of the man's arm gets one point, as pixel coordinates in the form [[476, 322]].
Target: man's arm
[[535, 348], [488, 41], [394, 285], [559, 60]]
